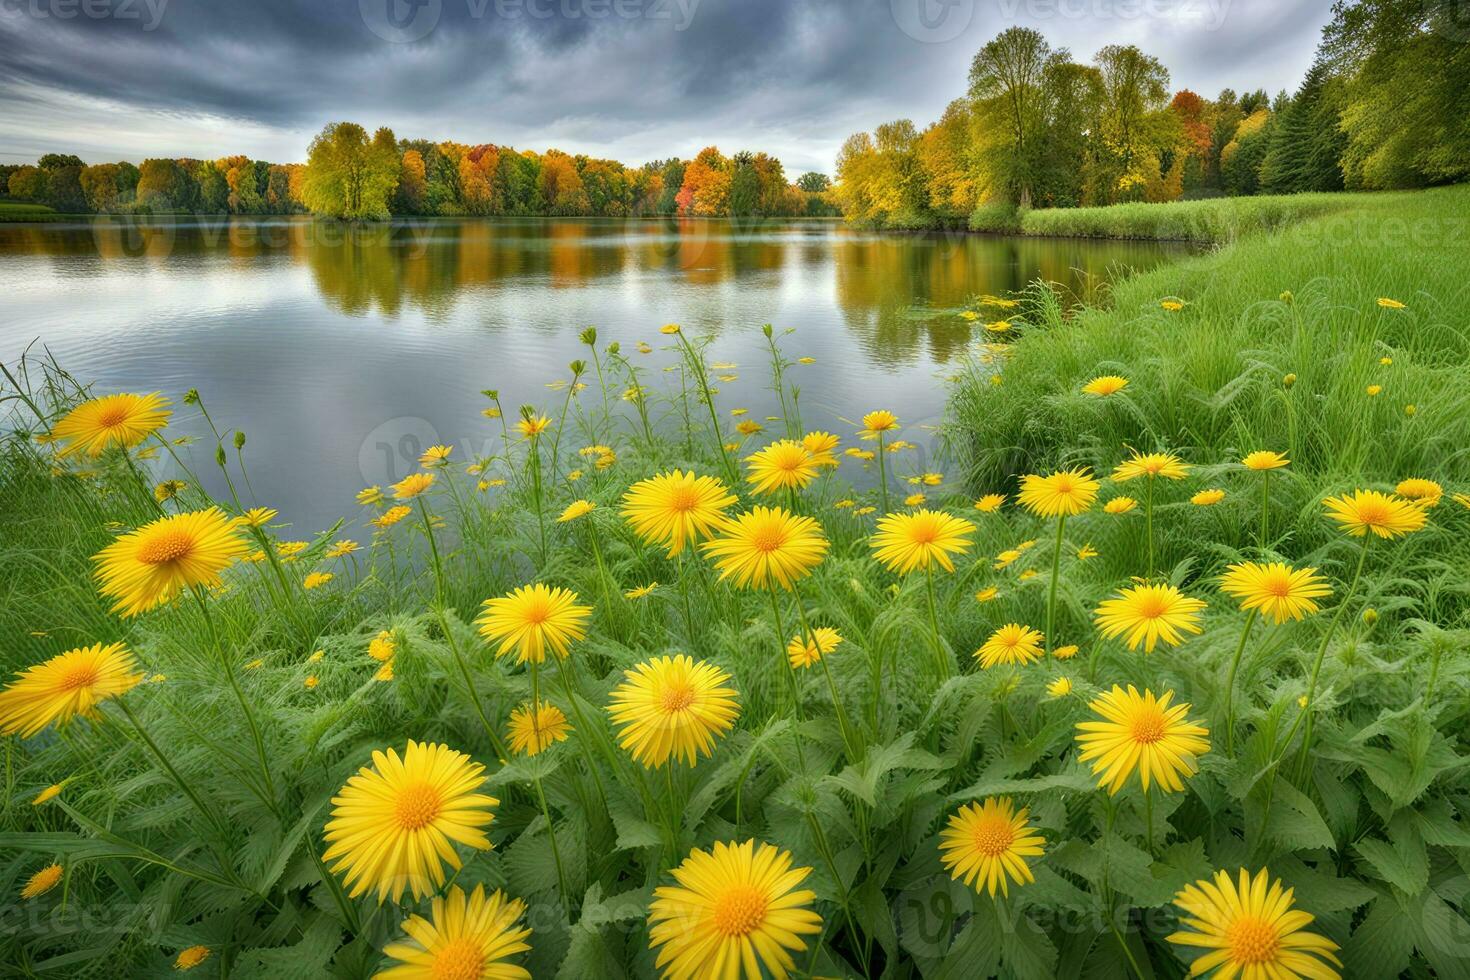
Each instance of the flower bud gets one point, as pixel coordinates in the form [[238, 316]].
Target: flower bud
[[588, 336], [1370, 616], [1288, 381], [239, 439]]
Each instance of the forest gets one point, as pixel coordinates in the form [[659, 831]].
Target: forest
[[1383, 106], [351, 174]]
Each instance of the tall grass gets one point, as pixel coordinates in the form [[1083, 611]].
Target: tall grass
[[1367, 831]]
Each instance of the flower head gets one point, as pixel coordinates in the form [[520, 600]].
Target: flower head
[[1151, 465], [1389, 304], [880, 421], [191, 957], [1139, 731], [803, 651], [783, 465], [1011, 644], [576, 509], [533, 619], [766, 547], [341, 549], [394, 824], [1060, 687], [533, 730], [1149, 613], [1104, 385], [1251, 930], [1386, 515], [69, 684], [986, 844], [672, 707], [1207, 498], [391, 516], [821, 445], [382, 646], [316, 580], [435, 456], [370, 495], [1276, 590], [641, 591], [1264, 459], [169, 489], [990, 503], [146, 568], [41, 882], [1119, 505], [464, 938], [100, 424], [412, 485], [49, 793], [1426, 492], [530, 426], [734, 908], [1065, 653], [920, 540], [676, 508], [1065, 493]]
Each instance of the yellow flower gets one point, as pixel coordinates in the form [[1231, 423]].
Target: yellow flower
[[920, 540], [1410, 410], [1104, 385], [1385, 361], [969, 315], [914, 500], [1005, 558], [804, 651], [1119, 505], [1463, 499], [734, 908], [1151, 465], [1172, 305], [1251, 930], [1386, 515], [676, 509], [533, 619], [1207, 498], [534, 730], [990, 503], [290, 550], [412, 485], [1027, 575], [370, 495], [394, 824], [749, 427], [191, 957], [1275, 589], [986, 844], [463, 939], [576, 509], [1148, 613], [144, 569], [876, 422], [342, 548], [68, 685], [384, 672], [169, 489], [669, 328], [311, 682], [316, 580], [391, 516], [255, 664], [1143, 733], [382, 646], [821, 446], [259, 516], [493, 412], [1085, 552], [1374, 390], [1427, 492], [1389, 304], [999, 326], [864, 511], [672, 707], [1060, 687], [435, 456], [641, 591], [49, 793], [806, 360], [766, 547], [41, 882], [100, 424], [987, 594], [1066, 652], [1263, 459], [1011, 644], [899, 445], [1065, 493], [532, 426], [784, 464]]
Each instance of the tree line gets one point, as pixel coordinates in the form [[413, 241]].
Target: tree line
[[1383, 106], [352, 174]]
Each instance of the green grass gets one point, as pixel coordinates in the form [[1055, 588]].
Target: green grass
[[1366, 826]]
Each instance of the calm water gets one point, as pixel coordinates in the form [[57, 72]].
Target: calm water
[[342, 351]]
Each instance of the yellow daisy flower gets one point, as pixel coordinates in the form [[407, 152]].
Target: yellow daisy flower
[[1386, 515], [920, 540], [767, 546], [1143, 733], [146, 568], [1011, 644], [1149, 613], [1275, 589], [69, 685], [463, 939], [1251, 930], [533, 619], [672, 707], [986, 844], [112, 421]]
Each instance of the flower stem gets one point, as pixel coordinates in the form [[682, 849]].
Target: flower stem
[[940, 659], [1051, 598], [1250, 621]]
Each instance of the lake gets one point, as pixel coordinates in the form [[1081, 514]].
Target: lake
[[342, 350]]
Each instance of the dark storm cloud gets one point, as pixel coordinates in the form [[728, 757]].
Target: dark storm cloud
[[633, 79]]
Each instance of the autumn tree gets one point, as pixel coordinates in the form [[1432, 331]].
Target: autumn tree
[[349, 175], [1005, 80]]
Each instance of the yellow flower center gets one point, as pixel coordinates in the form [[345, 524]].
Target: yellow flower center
[[925, 533], [167, 546], [1152, 606], [769, 538], [1148, 728], [683, 498], [535, 614], [739, 911], [1373, 513], [1063, 486], [1252, 941], [677, 697], [460, 959], [1280, 587], [417, 807], [82, 675], [994, 838], [112, 416]]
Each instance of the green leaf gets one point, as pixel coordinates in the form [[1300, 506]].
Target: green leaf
[[1380, 947], [1294, 820], [862, 780], [1402, 863], [1076, 780]]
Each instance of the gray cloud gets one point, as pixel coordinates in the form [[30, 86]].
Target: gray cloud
[[629, 79]]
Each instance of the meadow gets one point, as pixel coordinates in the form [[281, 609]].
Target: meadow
[[1161, 673]]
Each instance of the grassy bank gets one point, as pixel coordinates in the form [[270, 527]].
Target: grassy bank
[[193, 815]]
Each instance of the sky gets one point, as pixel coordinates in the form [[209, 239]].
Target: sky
[[632, 80]]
